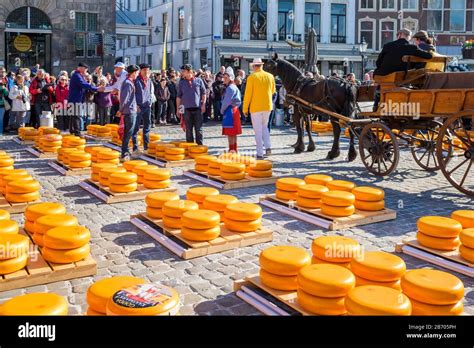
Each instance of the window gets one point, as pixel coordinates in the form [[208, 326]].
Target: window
[[434, 15], [181, 23], [457, 15], [411, 5], [338, 23], [165, 25], [137, 60], [202, 57], [388, 31], [88, 40], [150, 24], [312, 18], [28, 18], [367, 29], [367, 4], [185, 57], [149, 58], [286, 16], [231, 19], [258, 20], [388, 5], [80, 43]]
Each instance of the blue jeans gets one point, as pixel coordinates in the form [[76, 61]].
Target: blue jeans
[[143, 116], [2, 113], [129, 126]]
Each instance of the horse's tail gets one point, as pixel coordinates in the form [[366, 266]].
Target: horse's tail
[[349, 108]]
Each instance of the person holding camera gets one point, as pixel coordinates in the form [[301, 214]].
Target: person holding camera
[[41, 91], [20, 97]]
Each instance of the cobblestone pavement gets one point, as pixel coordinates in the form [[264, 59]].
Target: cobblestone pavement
[[206, 284]]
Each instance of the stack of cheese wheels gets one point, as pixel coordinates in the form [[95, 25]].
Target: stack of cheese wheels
[[175, 153], [116, 137], [340, 185], [214, 167], [112, 127], [48, 130], [7, 175], [14, 255], [466, 219], [104, 132], [80, 160], [187, 146], [92, 129], [105, 173], [323, 287], [30, 134], [154, 137], [218, 203], [338, 203], [199, 194], [173, 210], [22, 190], [7, 225], [130, 165], [369, 198], [200, 225], [50, 143], [160, 301], [152, 148], [260, 169], [318, 179], [35, 211], [66, 244], [63, 154], [243, 217], [232, 171], [335, 250], [99, 293], [156, 179], [376, 300], [309, 196], [74, 142], [22, 130], [123, 182], [36, 304], [202, 162], [93, 150], [433, 292], [161, 149], [47, 222], [4, 215], [108, 156], [97, 167], [156, 201], [279, 266], [6, 162], [287, 188], [197, 150], [141, 170], [378, 268], [438, 232]]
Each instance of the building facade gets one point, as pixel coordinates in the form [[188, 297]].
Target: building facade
[[57, 34]]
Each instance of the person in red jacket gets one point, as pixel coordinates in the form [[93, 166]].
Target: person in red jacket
[[62, 93], [41, 91]]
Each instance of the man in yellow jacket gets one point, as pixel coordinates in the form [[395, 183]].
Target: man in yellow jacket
[[258, 101]]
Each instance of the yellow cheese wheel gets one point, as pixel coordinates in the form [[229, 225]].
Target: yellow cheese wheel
[[315, 260], [439, 226], [396, 284], [286, 195], [320, 305], [438, 243], [95, 177], [80, 157], [338, 198], [83, 164], [201, 168], [204, 159], [232, 168], [177, 208], [243, 212], [156, 185], [36, 304], [369, 206], [13, 245], [130, 165], [466, 253], [154, 213], [23, 186], [158, 199], [96, 168], [4, 215], [6, 162], [284, 260], [368, 194], [377, 300], [313, 191], [242, 226], [126, 188], [22, 197], [174, 158], [47, 222], [175, 151], [337, 211], [467, 237], [157, 174], [141, 170], [198, 149], [213, 171], [154, 300], [277, 282], [38, 240], [51, 145], [14, 177], [200, 235], [198, 194], [101, 291], [66, 237], [335, 248], [214, 163], [378, 266], [260, 166], [308, 203], [219, 202], [13, 265], [116, 161], [432, 286], [35, 211], [200, 219], [340, 185], [233, 176], [326, 280], [123, 178], [106, 172], [289, 184], [465, 217], [318, 179], [172, 222], [77, 142], [66, 256], [420, 308], [186, 145], [9, 226], [94, 150], [260, 173]]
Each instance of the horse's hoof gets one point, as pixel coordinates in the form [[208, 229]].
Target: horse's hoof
[[311, 148], [352, 156], [299, 150], [333, 154]]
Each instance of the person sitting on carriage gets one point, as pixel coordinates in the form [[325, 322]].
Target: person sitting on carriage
[[424, 42]]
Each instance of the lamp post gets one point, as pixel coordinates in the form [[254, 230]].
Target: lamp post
[[363, 51]]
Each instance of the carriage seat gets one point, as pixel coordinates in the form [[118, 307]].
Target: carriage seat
[[449, 80]]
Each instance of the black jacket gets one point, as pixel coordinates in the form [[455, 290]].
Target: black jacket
[[390, 59]]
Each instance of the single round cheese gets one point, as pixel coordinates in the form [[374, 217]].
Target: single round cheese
[[123, 188], [132, 164], [123, 178], [158, 199], [340, 185], [467, 237], [198, 149], [438, 243], [286, 195], [260, 166], [83, 164], [172, 222], [177, 208], [96, 168], [38, 240], [154, 213], [420, 308], [284, 260], [232, 168], [174, 158], [204, 159], [22, 197], [368, 194], [369, 206], [337, 211], [80, 156], [106, 172], [396, 284], [213, 171], [233, 176], [326, 280], [313, 191], [141, 170], [36, 304], [66, 237], [198, 194], [243, 212], [335, 248], [9, 226], [289, 184], [465, 217], [308, 203], [4, 215], [6, 162], [277, 282], [200, 235], [35, 211], [200, 219], [23, 186], [13, 265], [378, 266], [320, 305], [466, 253], [47, 222], [156, 185], [175, 151], [377, 300], [66, 256], [29, 226], [219, 202], [242, 226], [318, 179], [157, 174], [338, 198], [95, 177], [439, 226], [432, 286], [260, 173]]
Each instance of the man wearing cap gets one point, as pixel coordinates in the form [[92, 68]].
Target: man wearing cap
[[191, 103], [144, 90], [258, 101], [119, 76], [77, 97]]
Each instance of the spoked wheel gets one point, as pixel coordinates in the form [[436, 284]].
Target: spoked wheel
[[458, 167], [378, 149], [424, 149]]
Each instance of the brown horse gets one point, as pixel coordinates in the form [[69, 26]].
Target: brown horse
[[332, 94]]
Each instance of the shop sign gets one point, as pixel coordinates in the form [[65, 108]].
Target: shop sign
[[22, 43]]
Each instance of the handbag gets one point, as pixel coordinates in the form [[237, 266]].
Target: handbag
[[228, 118]]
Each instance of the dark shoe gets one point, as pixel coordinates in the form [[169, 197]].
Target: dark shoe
[[260, 158], [268, 152]]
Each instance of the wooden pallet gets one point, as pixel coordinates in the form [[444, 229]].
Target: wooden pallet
[[448, 259], [67, 171], [40, 154], [14, 208], [163, 163], [316, 217], [23, 142], [266, 300], [172, 239], [38, 271], [109, 197], [218, 182]]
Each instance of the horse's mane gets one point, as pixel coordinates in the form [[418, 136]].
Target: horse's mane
[[289, 72]]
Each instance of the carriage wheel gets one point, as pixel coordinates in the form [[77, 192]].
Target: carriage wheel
[[458, 168], [378, 149], [424, 150]]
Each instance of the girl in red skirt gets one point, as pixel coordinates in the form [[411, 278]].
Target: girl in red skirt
[[231, 101]]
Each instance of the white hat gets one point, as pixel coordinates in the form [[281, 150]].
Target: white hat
[[257, 61], [120, 65], [230, 72]]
